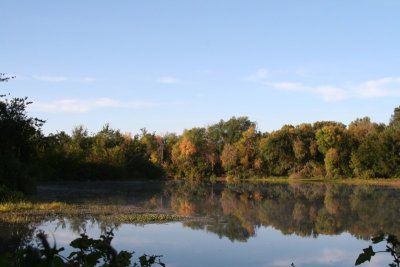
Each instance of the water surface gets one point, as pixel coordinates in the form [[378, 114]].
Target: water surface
[[235, 225]]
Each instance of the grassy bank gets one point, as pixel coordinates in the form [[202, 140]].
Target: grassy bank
[[29, 211], [392, 182]]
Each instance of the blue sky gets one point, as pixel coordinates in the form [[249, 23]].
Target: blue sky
[[171, 65]]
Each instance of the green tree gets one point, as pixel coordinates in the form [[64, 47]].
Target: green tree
[[329, 136], [361, 128], [228, 132], [19, 138], [277, 151], [154, 146], [332, 163], [229, 158], [247, 150], [335, 140], [189, 154], [308, 160], [395, 118], [391, 146]]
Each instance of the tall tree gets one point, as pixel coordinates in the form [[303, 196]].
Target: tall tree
[[277, 151], [395, 118], [19, 136], [189, 154], [247, 148]]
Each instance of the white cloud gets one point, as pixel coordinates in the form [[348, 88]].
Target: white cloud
[[87, 79], [50, 78], [167, 80], [385, 87], [301, 71], [326, 92], [330, 93], [288, 86], [389, 86], [46, 78], [205, 71], [259, 76], [81, 106]]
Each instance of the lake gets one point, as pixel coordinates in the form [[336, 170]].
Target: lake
[[308, 224]]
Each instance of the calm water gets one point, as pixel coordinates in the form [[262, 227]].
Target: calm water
[[238, 225]]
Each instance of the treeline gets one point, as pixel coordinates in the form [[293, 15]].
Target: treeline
[[106, 155], [234, 148]]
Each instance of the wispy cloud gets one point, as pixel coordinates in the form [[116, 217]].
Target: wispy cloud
[[167, 80], [81, 106], [326, 92], [259, 76], [384, 87], [389, 86], [87, 79], [205, 71], [50, 78]]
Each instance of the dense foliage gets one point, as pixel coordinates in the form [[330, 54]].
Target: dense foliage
[[232, 148], [86, 252], [19, 139], [106, 155], [235, 148]]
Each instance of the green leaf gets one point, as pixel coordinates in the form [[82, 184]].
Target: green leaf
[[124, 258], [82, 243], [58, 262], [392, 239], [365, 256], [379, 238], [5, 260], [93, 258]]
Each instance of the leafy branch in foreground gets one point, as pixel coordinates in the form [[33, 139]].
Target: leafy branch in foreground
[[392, 247], [88, 252]]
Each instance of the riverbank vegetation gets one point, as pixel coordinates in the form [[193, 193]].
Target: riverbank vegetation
[[27, 212], [234, 148]]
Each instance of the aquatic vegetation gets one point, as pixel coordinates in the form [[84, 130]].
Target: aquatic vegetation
[[146, 218], [26, 205], [23, 212]]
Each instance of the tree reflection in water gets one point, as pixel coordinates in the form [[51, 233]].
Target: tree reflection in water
[[236, 211]]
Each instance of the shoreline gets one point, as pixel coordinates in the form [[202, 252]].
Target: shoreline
[[391, 182]]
